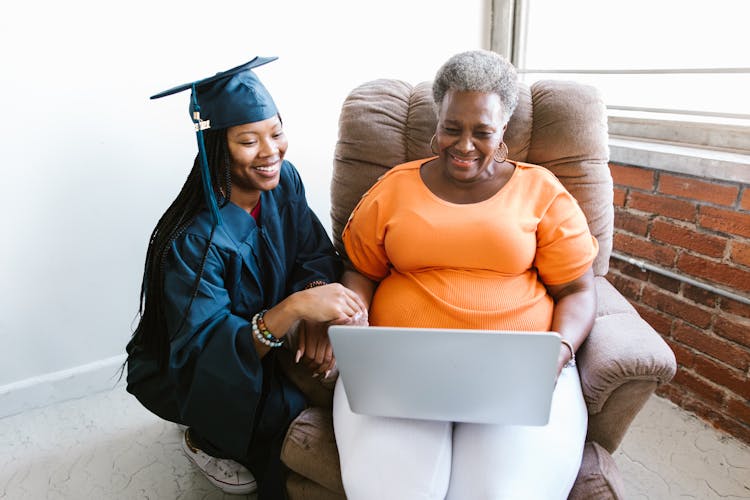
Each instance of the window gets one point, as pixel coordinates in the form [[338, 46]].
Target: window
[[671, 71]]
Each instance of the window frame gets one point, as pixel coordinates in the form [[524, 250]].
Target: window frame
[[715, 147]]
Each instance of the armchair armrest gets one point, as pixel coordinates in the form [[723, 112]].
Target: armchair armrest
[[621, 363], [621, 348]]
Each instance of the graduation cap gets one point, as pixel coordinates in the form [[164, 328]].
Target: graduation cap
[[228, 98]]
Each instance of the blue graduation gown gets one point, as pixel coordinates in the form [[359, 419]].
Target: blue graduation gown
[[215, 381]]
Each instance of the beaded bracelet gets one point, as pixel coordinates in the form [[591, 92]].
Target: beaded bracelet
[[262, 326], [315, 283], [264, 329], [262, 333]]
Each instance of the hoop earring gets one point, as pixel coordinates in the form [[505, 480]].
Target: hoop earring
[[433, 146], [501, 153]]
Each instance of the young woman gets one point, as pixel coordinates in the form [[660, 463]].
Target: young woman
[[236, 262]]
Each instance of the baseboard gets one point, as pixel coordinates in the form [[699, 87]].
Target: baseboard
[[64, 385]]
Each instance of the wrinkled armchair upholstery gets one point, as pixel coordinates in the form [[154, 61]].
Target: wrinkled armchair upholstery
[[562, 126]]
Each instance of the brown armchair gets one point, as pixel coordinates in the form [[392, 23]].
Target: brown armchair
[[562, 126]]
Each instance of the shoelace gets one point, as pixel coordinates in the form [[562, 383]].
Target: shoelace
[[228, 467]]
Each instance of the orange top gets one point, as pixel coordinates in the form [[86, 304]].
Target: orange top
[[480, 265]]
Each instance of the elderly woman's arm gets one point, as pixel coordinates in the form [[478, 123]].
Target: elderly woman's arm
[[575, 309], [361, 285]]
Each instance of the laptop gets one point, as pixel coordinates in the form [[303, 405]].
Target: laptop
[[477, 376]]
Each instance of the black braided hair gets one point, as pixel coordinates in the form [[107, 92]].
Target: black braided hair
[[151, 333]]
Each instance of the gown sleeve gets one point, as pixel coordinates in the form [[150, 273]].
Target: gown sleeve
[[217, 373]]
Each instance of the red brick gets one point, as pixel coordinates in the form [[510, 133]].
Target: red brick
[[745, 200], [734, 328], [722, 375], [629, 269], [632, 176], [671, 392], [675, 306], [662, 205], [688, 237], [696, 189], [720, 421], [699, 295], [734, 307], [628, 287], [658, 321], [619, 198], [639, 247], [616, 264], [740, 430], [698, 385], [685, 357], [740, 253], [664, 282], [632, 223], [725, 221], [705, 412], [739, 409], [716, 347], [718, 272]]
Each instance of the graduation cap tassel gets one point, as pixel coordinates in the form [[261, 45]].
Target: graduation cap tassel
[[208, 189]]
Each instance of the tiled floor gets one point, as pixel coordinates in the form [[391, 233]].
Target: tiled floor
[[107, 446]]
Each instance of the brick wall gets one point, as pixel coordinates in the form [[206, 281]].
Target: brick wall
[[698, 228]]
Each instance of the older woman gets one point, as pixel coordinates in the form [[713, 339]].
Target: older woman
[[235, 262], [509, 249]]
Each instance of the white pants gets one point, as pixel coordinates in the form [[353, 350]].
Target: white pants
[[417, 459]]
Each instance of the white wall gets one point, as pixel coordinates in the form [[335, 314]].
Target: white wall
[[89, 163]]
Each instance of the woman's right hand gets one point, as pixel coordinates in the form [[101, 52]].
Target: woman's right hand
[[317, 308], [324, 305], [333, 303]]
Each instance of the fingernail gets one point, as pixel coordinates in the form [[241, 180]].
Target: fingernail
[[298, 356], [327, 373]]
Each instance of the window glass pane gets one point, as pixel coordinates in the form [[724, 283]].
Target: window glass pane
[[714, 93], [637, 34], [645, 34]]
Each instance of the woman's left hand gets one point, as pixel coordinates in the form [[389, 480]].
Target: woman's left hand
[[314, 347]]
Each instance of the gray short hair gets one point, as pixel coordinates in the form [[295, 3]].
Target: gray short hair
[[478, 71]]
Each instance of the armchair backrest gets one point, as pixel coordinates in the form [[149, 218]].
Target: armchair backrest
[[560, 125]]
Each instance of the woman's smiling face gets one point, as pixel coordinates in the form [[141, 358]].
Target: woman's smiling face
[[256, 150], [470, 128]]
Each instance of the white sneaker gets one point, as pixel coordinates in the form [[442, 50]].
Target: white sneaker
[[227, 475]]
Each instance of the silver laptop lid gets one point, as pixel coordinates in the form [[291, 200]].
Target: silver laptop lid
[[480, 376]]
